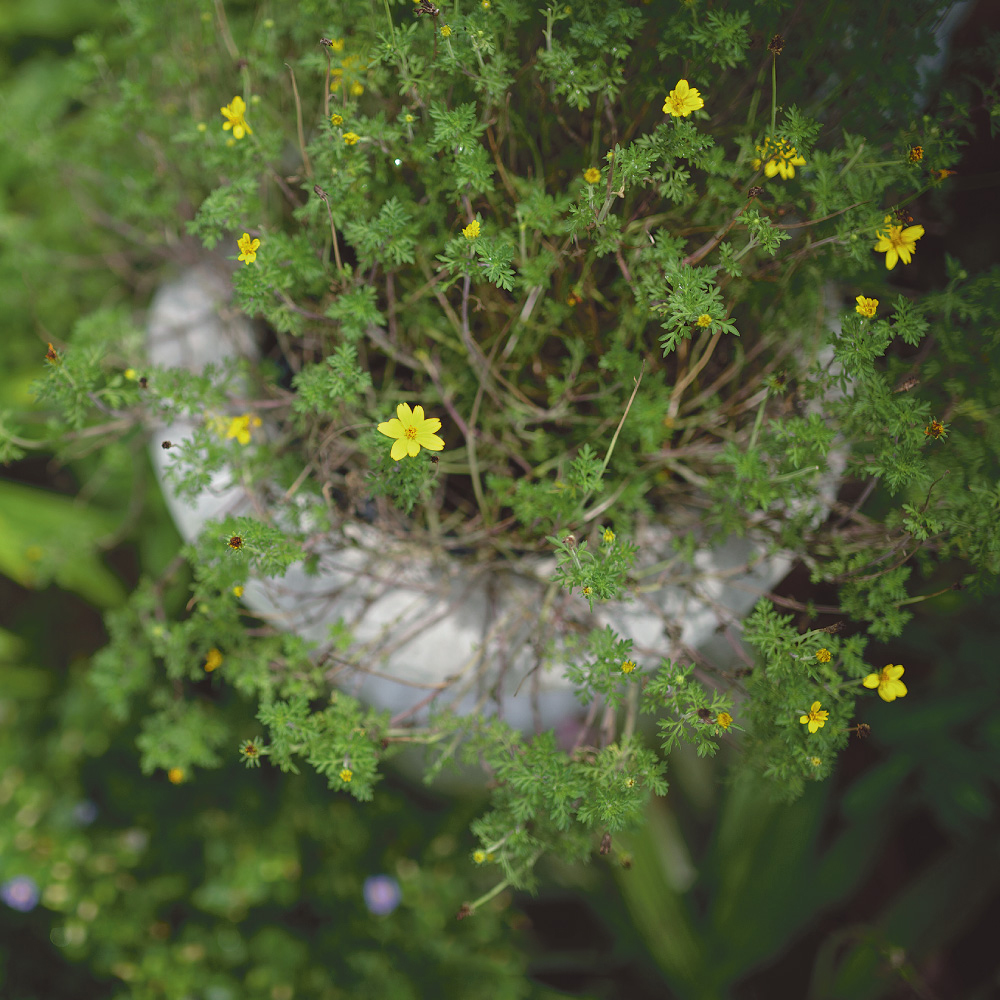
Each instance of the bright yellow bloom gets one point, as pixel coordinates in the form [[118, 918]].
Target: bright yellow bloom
[[866, 307], [778, 158], [592, 175], [897, 243], [346, 775], [682, 100], [357, 89], [609, 536], [351, 138], [587, 591], [175, 775], [704, 320], [916, 154], [130, 374], [248, 249], [412, 432], [479, 857], [471, 231], [724, 720], [239, 428], [233, 113], [337, 44], [409, 119], [890, 687], [936, 430], [815, 761], [823, 655], [213, 660], [628, 666], [238, 590], [445, 31], [815, 719], [336, 119]]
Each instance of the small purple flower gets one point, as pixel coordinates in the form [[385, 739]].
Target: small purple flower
[[382, 894], [20, 893]]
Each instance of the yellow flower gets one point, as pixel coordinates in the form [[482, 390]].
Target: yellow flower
[[890, 687], [724, 720], [445, 31], [704, 320], [52, 355], [823, 655], [936, 430], [815, 761], [628, 666], [346, 775], [336, 119], [239, 428], [238, 590], [337, 44], [866, 307], [357, 89], [409, 119], [682, 100], [486, 4], [778, 158], [233, 113], [412, 432], [592, 175], [479, 857], [248, 249], [471, 231], [202, 127], [609, 536], [175, 775], [940, 175], [916, 154], [213, 660], [130, 374], [897, 243], [351, 138], [587, 591], [816, 718]]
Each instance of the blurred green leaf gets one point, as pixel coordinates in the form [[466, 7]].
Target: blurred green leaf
[[47, 537]]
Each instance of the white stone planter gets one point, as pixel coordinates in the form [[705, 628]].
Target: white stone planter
[[438, 629]]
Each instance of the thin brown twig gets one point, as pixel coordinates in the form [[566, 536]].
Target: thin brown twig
[[298, 124]]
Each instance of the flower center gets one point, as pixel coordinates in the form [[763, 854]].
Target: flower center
[[410, 432]]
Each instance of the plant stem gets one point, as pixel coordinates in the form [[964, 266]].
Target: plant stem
[[757, 423], [774, 92], [388, 17]]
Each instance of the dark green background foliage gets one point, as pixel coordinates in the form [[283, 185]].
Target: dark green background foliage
[[754, 876]]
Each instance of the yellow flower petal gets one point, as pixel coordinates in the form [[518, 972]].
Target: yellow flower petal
[[392, 428]]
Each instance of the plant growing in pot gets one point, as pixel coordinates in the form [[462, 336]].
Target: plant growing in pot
[[550, 334]]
